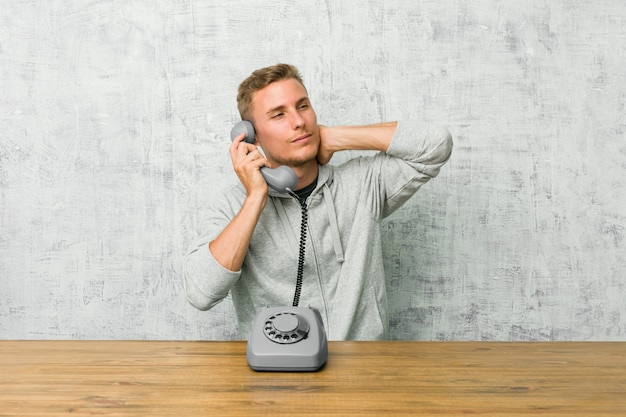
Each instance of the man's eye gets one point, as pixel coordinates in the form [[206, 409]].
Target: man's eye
[[277, 115]]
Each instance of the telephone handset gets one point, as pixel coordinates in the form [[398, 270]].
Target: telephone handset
[[289, 339], [283, 178]]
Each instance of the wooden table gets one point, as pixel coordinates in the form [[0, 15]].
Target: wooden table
[[121, 378]]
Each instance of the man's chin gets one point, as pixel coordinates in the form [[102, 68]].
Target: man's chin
[[300, 163]]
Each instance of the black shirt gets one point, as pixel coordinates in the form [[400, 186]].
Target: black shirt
[[304, 192]]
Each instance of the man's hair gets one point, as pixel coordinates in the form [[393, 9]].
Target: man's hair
[[260, 79]]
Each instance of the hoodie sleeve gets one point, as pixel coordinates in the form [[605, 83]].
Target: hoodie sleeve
[[206, 281], [414, 156]]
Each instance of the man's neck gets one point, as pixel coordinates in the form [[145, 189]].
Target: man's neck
[[306, 174]]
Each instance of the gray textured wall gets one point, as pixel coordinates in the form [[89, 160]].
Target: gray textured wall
[[114, 117]]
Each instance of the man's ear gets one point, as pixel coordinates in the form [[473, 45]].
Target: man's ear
[[256, 135]]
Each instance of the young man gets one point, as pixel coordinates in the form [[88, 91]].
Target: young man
[[254, 236]]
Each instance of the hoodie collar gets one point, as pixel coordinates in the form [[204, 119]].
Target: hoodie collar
[[324, 179], [324, 175]]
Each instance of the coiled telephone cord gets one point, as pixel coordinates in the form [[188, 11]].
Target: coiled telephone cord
[[303, 226]]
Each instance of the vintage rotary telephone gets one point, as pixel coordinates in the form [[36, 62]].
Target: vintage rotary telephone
[[287, 339]]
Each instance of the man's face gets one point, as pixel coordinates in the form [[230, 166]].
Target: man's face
[[285, 123]]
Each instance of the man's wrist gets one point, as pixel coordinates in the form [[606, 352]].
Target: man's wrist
[[368, 137], [255, 200]]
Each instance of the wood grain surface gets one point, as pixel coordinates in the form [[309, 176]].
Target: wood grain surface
[[121, 378]]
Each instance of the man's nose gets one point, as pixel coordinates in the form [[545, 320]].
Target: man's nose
[[297, 121]]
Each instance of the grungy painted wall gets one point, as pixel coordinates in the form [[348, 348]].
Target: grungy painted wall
[[114, 121]]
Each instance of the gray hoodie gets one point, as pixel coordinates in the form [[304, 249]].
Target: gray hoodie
[[343, 271]]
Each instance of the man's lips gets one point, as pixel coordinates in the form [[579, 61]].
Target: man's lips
[[302, 138]]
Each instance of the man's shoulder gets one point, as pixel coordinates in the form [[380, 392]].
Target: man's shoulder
[[229, 195], [356, 161]]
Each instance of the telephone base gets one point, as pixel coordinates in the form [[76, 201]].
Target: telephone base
[[287, 339]]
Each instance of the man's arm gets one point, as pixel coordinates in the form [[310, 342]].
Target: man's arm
[[230, 246], [410, 155], [356, 138]]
